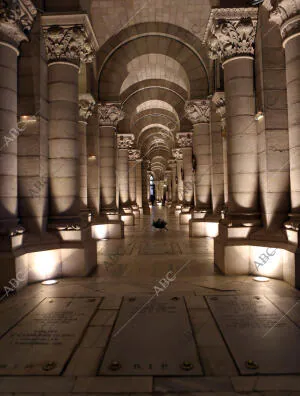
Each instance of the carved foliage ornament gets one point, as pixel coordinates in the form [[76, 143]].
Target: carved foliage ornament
[[177, 154], [86, 106], [197, 111], [110, 114], [184, 139], [284, 10], [231, 38], [16, 19], [125, 141], [134, 155], [68, 43]]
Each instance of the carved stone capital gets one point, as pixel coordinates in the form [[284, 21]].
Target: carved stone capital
[[110, 114], [68, 44], [197, 111], [86, 106], [184, 139], [286, 14], [16, 19], [134, 155], [125, 140], [231, 32], [177, 154]]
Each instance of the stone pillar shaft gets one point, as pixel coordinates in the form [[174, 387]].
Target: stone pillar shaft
[[109, 115], [292, 58], [145, 201], [107, 143], [188, 191], [8, 137], [174, 184], [132, 182], [179, 165], [123, 175], [139, 184], [63, 142], [86, 106], [93, 165], [198, 112], [218, 155], [201, 147], [83, 165], [241, 136]]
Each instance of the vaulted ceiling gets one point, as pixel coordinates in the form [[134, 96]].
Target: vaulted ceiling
[[152, 64]]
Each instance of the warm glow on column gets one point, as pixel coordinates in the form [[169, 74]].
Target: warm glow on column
[[267, 261], [43, 265], [99, 231]]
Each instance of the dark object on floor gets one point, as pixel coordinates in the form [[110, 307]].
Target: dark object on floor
[[161, 224]]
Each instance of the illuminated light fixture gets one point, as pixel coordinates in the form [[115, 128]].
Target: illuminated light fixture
[[259, 115], [27, 118], [92, 157], [50, 282], [261, 279]]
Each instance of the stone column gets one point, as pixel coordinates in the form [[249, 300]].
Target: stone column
[[230, 38], [145, 200], [93, 165], [219, 154], [177, 154], [86, 106], [139, 194], [169, 186], [133, 157], [198, 112], [148, 184], [64, 149], [184, 141], [232, 34], [173, 166], [125, 142], [109, 115], [16, 19], [286, 14]]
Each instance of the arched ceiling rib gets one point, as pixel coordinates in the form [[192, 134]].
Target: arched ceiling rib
[[155, 66], [153, 69]]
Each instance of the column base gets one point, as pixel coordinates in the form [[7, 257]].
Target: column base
[[135, 211], [108, 226], [292, 229], [203, 224], [127, 216], [260, 258], [169, 204], [38, 257], [178, 209], [185, 215]]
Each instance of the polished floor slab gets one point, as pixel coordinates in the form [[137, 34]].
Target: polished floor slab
[[147, 337], [147, 262]]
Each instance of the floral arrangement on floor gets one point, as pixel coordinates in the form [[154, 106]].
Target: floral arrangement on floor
[[160, 224]]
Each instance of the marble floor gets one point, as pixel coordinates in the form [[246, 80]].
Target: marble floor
[[48, 348]]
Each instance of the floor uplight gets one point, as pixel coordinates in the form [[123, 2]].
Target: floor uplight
[[50, 282], [261, 279]]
